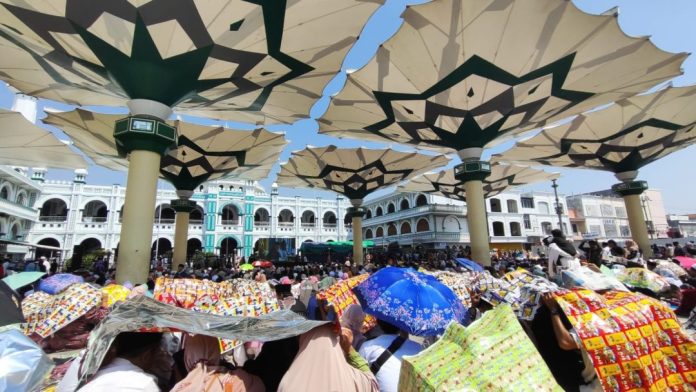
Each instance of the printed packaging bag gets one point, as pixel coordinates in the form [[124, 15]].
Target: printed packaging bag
[[491, 354], [341, 296], [635, 342], [46, 314]]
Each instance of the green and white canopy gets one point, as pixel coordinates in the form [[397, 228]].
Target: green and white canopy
[[467, 74], [232, 59], [353, 172], [502, 178], [25, 144], [620, 138], [204, 153]]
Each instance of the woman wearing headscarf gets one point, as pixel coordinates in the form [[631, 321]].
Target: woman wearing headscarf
[[202, 360], [329, 363], [353, 318]]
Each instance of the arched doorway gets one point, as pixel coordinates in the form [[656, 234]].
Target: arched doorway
[[228, 248], [54, 210], [262, 217], [391, 230], [404, 204], [84, 250], [286, 218], [161, 247], [47, 253], [405, 228], [421, 200], [307, 218], [422, 225], [192, 246], [498, 229]]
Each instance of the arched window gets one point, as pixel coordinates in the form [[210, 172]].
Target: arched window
[[515, 229], [262, 217], [286, 217], [391, 230], [421, 200], [451, 224], [422, 225], [379, 232], [164, 214], [378, 212], [543, 207], [498, 229], [404, 205], [495, 205], [54, 210], [94, 211], [512, 206], [368, 214], [22, 199], [546, 227], [390, 208], [5, 193], [368, 233], [15, 232], [405, 228], [307, 218], [196, 217], [329, 219]]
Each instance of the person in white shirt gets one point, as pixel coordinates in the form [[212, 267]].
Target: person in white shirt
[[124, 367], [388, 373]]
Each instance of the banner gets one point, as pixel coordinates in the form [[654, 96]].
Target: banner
[[492, 354], [635, 342]]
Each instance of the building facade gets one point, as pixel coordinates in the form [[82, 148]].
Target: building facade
[[602, 215], [516, 220], [18, 195], [233, 218]]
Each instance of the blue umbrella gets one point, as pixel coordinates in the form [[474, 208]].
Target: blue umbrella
[[56, 283], [415, 302], [470, 265]]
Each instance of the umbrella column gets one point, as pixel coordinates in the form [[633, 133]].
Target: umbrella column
[[144, 137], [183, 207], [356, 213], [631, 190], [471, 172]]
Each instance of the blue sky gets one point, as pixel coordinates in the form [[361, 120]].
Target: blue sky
[[669, 23]]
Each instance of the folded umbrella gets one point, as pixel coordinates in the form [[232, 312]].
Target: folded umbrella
[[22, 279], [246, 267], [413, 301], [469, 264]]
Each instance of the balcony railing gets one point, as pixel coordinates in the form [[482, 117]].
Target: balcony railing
[[262, 223], [329, 225], [230, 222], [286, 224], [93, 219], [308, 225], [164, 221], [195, 221], [53, 218]]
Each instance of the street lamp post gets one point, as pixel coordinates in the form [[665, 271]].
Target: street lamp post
[[559, 209]]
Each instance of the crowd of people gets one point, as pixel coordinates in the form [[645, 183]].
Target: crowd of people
[[344, 355]]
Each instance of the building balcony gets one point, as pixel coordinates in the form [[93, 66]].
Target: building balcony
[[94, 219], [423, 237], [511, 239], [229, 222], [329, 225], [195, 221], [53, 219], [18, 210], [417, 211]]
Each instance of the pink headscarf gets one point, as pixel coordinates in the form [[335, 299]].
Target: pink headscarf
[[201, 348]]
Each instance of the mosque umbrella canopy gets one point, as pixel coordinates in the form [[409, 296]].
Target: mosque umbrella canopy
[[502, 178], [25, 144], [467, 74], [623, 137], [353, 172], [203, 153], [234, 59]]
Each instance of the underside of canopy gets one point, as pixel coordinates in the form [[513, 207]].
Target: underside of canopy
[[234, 59], [620, 138], [469, 74], [353, 172], [25, 144], [502, 178], [204, 153]]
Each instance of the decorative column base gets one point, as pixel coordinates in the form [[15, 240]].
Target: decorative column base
[[357, 213], [144, 139], [631, 191], [472, 173], [183, 208]]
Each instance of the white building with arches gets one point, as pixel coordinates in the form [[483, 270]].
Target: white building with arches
[[515, 220], [232, 218], [18, 194]]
